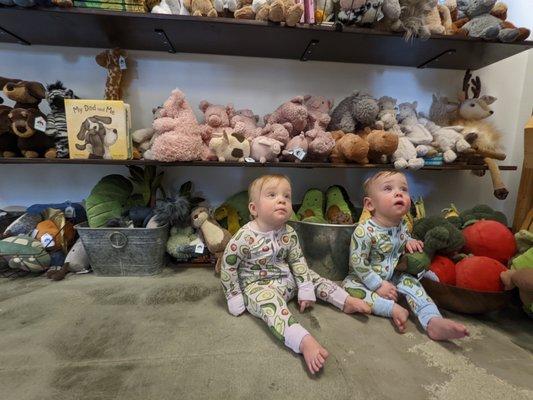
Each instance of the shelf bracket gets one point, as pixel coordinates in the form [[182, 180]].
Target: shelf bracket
[[161, 34], [448, 52], [19, 40], [309, 50]]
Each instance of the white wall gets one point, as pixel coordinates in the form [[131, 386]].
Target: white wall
[[263, 84]]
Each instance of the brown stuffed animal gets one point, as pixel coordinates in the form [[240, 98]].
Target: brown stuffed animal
[[31, 142], [24, 94], [382, 144], [8, 140], [349, 148], [110, 60]]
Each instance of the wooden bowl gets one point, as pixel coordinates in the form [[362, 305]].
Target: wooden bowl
[[465, 301]]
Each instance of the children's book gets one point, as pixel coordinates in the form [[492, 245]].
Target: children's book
[[98, 129]]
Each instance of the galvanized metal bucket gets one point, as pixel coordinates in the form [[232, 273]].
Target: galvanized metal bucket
[[326, 247], [124, 251]]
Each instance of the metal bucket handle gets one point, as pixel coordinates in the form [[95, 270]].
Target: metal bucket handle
[[118, 240]]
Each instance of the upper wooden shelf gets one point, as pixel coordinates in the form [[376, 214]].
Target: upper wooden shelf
[[173, 33], [54, 161]]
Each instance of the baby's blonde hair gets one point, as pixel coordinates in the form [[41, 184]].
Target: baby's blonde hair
[[381, 174], [255, 187]]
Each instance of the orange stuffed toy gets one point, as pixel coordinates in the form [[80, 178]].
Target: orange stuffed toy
[[444, 268], [480, 273], [491, 239]]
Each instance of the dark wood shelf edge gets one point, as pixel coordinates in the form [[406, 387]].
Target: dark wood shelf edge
[[305, 165]]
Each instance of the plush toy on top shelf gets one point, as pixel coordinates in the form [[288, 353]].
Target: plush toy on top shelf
[[8, 139], [230, 146], [174, 7], [143, 138], [201, 8], [288, 11], [114, 61], [481, 24], [245, 123], [439, 20], [25, 94], [56, 124], [217, 118], [294, 112], [414, 129]]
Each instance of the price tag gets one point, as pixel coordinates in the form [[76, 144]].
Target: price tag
[[299, 153], [40, 124], [122, 62], [249, 159], [47, 240], [199, 248]]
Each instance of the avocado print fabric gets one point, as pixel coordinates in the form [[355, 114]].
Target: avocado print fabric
[[262, 271], [374, 253]]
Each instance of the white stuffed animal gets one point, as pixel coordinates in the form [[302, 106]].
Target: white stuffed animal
[[175, 7], [416, 132], [448, 139]]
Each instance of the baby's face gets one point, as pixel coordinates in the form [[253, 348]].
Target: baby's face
[[389, 197], [273, 206]]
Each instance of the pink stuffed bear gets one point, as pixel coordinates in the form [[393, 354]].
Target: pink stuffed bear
[[293, 111], [245, 123], [297, 142], [178, 133], [321, 144], [265, 149], [217, 117], [318, 109], [279, 132]]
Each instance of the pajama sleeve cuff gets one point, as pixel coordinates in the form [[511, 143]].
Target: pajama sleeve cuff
[[306, 291], [373, 282], [236, 305]]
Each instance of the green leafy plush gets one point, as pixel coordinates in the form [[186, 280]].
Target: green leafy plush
[[109, 199], [146, 183]]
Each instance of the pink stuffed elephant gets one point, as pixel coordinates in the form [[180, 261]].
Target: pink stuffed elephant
[[292, 111], [265, 149], [318, 109]]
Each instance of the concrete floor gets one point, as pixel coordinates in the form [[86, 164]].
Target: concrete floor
[[170, 337]]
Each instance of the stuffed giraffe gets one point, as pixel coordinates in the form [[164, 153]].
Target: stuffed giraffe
[[110, 60]]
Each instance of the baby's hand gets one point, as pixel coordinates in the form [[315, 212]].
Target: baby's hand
[[414, 246], [388, 291], [305, 304]]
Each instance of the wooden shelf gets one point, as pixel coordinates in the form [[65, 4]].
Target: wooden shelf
[[157, 32], [67, 161]]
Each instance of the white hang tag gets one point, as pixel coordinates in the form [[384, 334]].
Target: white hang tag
[[40, 124], [70, 212], [122, 62], [249, 159], [199, 248], [421, 274], [47, 240], [299, 153]]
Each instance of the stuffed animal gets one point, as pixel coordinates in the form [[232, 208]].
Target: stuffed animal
[[482, 24], [230, 146], [23, 225], [279, 132], [338, 206], [321, 144], [406, 155], [233, 213], [31, 142], [143, 139], [245, 123], [381, 144], [481, 274], [349, 147], [491, 239], [386, 119], [439, 20], [24, 94], [215, 237], [179, 243], [468, 217], [178, 132], [24, 253], [439, 236], [500, 11], [265, 149], [447, 139], [217, 117], [175, 7], [294, 112], [324, 11], [413, 128], [353, 113], [444, 268], [297, 143], [369, 13], [288, 11], [56, 123], [312, 208], [318, 109], [201, 8], [8, 139], [111, 61]]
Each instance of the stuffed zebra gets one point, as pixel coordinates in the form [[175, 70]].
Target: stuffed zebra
[[56, 124]]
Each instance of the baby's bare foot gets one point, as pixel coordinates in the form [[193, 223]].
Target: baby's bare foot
[[446, 329], [399, 317], [354, 305], [314, 354]]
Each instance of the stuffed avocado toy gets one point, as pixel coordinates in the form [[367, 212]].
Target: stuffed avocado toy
[[24, 253], [233, 213], [312, 208], [439, 236], [339, 209]]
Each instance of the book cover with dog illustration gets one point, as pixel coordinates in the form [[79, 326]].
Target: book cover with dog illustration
[[98, 129]]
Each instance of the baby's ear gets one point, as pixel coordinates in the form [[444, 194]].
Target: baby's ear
[[367, 203], [252, 209]]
